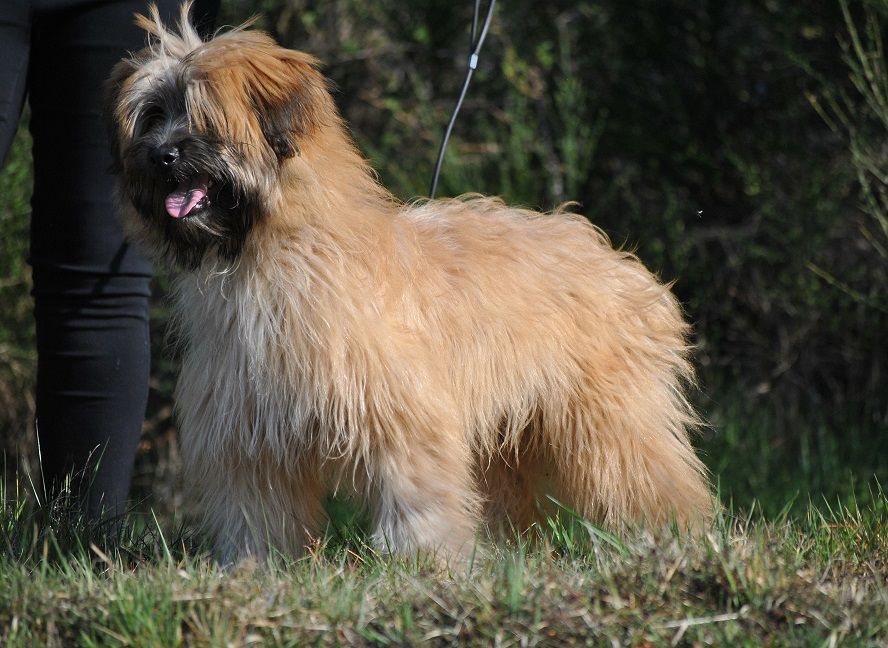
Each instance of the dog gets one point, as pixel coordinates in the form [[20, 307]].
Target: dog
[[451, 362]]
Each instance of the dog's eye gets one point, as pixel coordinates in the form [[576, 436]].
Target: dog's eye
[[151, 118]]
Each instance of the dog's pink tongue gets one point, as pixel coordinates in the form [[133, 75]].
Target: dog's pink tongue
[[189, 192]]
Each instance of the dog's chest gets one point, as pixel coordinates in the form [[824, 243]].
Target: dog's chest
[[234, 386]]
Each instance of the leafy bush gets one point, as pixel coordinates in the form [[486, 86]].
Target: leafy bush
[[17, 358]]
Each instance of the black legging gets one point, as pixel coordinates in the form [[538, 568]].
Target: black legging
[[91, 289]]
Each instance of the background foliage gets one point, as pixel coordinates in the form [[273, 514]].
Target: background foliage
[[737, 146]]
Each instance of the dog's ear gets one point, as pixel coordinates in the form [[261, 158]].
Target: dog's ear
[[111, 99], [291, 101]]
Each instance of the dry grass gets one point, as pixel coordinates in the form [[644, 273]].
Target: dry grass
[[817, 580]]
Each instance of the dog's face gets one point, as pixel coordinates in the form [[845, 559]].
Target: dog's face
[[200, 132]]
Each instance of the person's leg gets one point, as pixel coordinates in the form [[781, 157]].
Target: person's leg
[[91, 288], [15, 37]]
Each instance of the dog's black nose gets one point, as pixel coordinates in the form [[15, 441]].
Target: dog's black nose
[[165, 156]]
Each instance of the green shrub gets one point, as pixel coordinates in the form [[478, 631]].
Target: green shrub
[[17, 358]]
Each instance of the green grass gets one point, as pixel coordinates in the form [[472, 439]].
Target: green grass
[[817, 579]]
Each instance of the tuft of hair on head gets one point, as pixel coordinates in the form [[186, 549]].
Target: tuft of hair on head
[[163, 40]]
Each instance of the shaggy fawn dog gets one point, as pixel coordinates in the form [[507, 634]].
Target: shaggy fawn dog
[[451, 361]]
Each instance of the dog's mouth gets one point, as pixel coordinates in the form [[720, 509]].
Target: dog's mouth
[[189, 196]]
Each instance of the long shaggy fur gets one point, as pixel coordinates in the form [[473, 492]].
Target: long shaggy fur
[[451, 361]]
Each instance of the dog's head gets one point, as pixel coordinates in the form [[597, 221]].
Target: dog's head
[[200, 132]]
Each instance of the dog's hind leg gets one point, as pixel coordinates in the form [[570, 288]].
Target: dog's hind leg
[[512, 483], [424, 498], [615, 419]]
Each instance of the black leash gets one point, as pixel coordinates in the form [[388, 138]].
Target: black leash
[[477, 42]]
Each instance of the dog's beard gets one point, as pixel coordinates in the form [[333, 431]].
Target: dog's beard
[[198, 207]]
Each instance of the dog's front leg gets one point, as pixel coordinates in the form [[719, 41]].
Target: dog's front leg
[[262, 506]]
